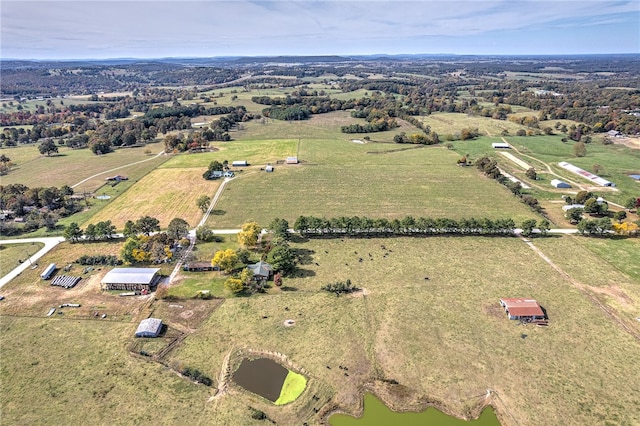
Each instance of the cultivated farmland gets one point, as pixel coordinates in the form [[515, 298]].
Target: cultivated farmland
[[164, 193]]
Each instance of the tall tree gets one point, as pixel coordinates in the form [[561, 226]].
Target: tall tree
[[147, 225], [177, 228], [48, 147], [248, 237], [203, 203], [225, 259], [72, 232]]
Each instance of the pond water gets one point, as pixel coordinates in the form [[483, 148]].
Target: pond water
[[262, 376], [378, 414]]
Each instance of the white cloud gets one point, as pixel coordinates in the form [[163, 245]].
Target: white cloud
[[245, 26]]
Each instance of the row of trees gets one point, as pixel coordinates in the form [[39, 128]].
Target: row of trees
[[489, 167], [364, 226]]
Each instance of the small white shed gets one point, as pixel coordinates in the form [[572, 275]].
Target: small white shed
[[560, 184]]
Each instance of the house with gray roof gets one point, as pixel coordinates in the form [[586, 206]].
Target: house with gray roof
[[262, 271]]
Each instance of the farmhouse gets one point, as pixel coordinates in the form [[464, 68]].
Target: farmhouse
[[261, 271], [522, 309], [216, 174], [559, 184], [500, 145], [585, 174], [292, 160], [240, 163], [131, 279], [150, 327]]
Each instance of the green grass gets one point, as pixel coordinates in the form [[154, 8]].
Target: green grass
[[445, 123], [624, 253], [341, 178], [67, 371], [293, 386], [12, 254], [69, 167], [195, 282], [445, 338]]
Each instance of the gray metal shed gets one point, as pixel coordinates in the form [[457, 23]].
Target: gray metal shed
[[149, 327]]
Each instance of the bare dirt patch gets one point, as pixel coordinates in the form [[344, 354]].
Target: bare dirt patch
[[614, 292], [633, 143]]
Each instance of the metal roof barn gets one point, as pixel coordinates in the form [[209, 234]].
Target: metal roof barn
[[150, 327], [131, 278]]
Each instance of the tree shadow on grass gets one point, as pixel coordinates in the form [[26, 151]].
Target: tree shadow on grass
[[303, 273], [287, 288], [305, 256], [218, 212]]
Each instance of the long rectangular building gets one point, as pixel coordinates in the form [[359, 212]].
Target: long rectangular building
[[131, 279], [585, 174]]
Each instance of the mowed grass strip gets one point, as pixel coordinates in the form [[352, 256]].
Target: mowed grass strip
[[293, 386], [164, 193]]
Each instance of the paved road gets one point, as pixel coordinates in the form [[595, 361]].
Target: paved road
[[49, 243]]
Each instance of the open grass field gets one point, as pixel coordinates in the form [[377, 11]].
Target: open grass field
[[69, 166], [164, 193], [446, 123], [13, 254], [68, 371], [617, 162], [445, 338], [338, 177]]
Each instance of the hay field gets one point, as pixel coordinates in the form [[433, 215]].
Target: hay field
[[445, 338], [164, 193]]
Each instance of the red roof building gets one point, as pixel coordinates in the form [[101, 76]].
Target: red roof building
[[522, 309]]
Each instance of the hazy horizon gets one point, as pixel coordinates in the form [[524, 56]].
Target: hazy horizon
[[116, 29]]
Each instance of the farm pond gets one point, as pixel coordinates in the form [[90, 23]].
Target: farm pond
[[376, 413], [269, 379]]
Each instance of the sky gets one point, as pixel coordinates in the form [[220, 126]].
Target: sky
[[88, 29]]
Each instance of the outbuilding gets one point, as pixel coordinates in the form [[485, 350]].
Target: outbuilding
[[522, 309], [199, 267], [46, 274], [240, 163], [150, 327], [500, 145], [559, 183], [131, 279], [292, 160]]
